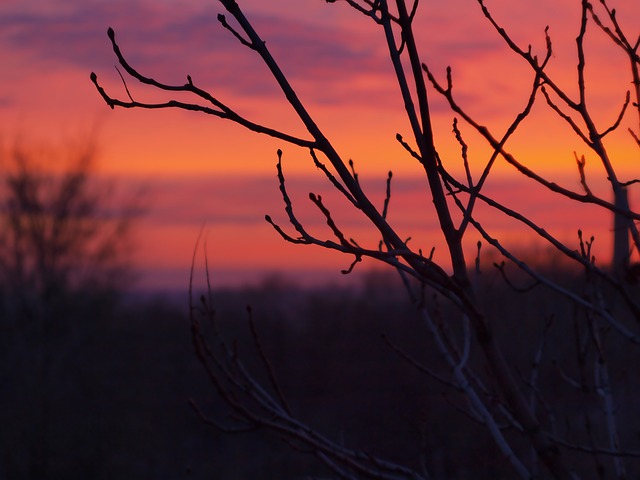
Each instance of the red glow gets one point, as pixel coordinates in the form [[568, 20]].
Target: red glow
[[45, 93]]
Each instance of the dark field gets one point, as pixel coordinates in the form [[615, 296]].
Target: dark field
[[104, 393]]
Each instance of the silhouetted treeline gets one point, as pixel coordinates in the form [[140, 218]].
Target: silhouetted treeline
[[113, 401]]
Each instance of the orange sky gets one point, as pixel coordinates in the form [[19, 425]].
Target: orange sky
[[200, 169]]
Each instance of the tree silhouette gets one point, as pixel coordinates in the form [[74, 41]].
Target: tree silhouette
[[63, 260], [523, 415], [59, 232]]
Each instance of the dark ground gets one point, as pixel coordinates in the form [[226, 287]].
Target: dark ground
[[104, 394]]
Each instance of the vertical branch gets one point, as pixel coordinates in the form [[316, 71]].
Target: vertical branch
[[618, 37], [546, 448], [603, 387], [463, 383], [622, 224], [323, 144], [424, 138]]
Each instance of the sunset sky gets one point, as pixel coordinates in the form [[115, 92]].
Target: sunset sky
[[197, 170]]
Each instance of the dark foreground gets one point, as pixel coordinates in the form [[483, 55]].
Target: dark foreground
[[105, 394]]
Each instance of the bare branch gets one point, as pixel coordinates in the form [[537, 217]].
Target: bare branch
[[223, 21], [387, 197], [338, 186], [618, 120], [266, 362], [218, 108], [581, 162], [554, 187]]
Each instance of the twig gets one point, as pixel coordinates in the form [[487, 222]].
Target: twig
[[266, 362]]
